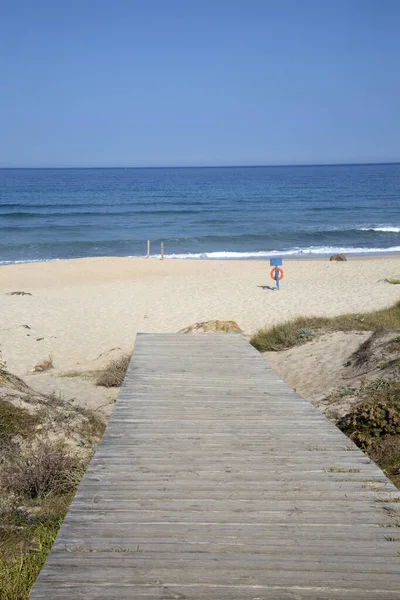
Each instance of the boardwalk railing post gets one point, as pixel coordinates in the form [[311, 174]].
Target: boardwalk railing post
[[148, 249], [162, 250]]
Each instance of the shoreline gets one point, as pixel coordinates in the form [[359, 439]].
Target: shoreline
[[303, 258]]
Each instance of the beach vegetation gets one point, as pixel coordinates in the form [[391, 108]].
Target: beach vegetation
[[371, 418], [393, 281], [340, 470], [114, 372], [71, 374], [374, 425], [92, 427], [46, 443], [213, 326], [305, 333], [24, 546], [395, 500], [37, 485], [16, 421], [342, 392], [287, 334], [47, 468], [3, 370], [292, 333]]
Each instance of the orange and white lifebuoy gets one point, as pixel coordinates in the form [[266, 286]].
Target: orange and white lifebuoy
[[272, 273]]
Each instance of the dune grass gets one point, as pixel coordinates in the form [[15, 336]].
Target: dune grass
[[37, 486], [24, 545], [38, 479], [293, 333], [113, 374], [16, 421], [70, 374], [92, 427]]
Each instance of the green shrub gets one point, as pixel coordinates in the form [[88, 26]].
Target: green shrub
[[374, 418], [374, 425]]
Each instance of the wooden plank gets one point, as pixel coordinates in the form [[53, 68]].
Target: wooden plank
[[216, 481]]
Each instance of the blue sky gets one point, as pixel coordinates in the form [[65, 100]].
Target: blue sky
[[199, 82]]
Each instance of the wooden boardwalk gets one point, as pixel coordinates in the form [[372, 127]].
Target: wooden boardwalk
[[215, 481]]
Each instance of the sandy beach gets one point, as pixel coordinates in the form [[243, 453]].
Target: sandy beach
[[81, 309]]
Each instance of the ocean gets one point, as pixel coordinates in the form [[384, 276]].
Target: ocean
[[233, 212]]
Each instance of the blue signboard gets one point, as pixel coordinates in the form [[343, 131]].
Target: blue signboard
[[275, 262]]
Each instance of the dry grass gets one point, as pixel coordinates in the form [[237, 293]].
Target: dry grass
[[92, 427], [47, 469], [37, 486], [44, 482], [113, 374], [71, 374], [214, 326], [302, 329], [38, 477], [3, 370], [340, 470], [16, 421]]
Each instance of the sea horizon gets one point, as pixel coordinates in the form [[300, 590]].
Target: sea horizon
[[239, 166]]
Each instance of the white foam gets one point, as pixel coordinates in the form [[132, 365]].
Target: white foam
[[312, 250], [388, 229], [29, 261]]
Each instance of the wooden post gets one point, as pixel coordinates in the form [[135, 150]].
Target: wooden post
[[148, 249], [162, 250]]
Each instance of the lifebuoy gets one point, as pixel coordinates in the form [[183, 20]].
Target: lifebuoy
[[272, 273]]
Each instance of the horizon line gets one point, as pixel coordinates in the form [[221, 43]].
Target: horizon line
[[260, 166]]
